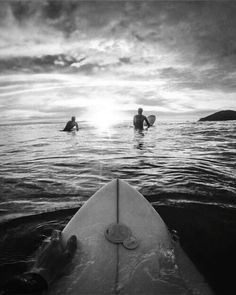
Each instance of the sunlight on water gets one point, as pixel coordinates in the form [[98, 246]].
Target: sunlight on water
[[50, 168]]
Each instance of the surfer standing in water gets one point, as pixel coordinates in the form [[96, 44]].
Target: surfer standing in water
[[139, 120], [71, 124]]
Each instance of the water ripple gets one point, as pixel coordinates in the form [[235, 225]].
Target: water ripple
[[196, 158]]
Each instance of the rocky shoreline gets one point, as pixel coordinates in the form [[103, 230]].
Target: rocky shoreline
[[220, 116]]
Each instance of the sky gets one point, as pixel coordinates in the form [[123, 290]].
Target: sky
[[104, 59]]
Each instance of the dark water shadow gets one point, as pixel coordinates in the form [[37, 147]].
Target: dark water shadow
[[207, 234]]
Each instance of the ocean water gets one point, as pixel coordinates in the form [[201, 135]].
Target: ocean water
[[185, 169]]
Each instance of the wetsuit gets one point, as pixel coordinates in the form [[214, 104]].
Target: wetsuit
[[70, 125], [28, 283], [138, 122]]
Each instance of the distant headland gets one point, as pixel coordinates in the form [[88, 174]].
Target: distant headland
[[221, 116]]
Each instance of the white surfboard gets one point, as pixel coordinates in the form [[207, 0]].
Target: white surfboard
[[124, 247], [151, 120]]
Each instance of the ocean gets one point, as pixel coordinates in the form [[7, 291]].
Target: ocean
[[186, 170]]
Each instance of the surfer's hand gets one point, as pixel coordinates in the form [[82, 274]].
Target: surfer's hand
[[53, 257]]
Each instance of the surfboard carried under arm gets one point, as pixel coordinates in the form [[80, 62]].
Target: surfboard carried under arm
[[124, 247], [151, 120]]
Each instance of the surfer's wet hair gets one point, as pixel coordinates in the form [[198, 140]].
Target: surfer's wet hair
[[140, 110]]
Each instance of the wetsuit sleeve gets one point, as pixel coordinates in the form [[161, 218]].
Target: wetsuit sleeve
[[66, 127], [147, 122], [77, 126], [28, 283]]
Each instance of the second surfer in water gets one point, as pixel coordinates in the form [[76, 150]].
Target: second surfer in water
[[71, 125], [139, 120]]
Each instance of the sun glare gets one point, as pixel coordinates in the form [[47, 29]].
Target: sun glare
[[104, 114]]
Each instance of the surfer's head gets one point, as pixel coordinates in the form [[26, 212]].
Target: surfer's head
[[73, 118], [140, 110]]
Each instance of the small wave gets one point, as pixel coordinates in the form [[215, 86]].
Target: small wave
[[28, 185], [40, 144], [39, 217]]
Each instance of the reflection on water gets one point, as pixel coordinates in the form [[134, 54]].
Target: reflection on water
[[139, 139], [43, 169]]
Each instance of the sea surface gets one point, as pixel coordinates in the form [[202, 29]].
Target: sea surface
[[186, 170]]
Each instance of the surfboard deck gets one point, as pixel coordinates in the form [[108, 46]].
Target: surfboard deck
[[124, 247], [151, 120]]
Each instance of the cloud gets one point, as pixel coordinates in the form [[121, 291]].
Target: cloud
[[152, 100], [165, 55], [202, 78], [190, 32]]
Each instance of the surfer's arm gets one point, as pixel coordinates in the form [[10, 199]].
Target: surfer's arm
[[148, 124], [49, 264], [77, 126], [53, 257], [66, 127]]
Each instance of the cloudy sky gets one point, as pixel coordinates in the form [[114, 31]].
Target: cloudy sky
[[176, 59]]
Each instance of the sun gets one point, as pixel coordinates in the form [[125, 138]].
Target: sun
[[104, 114]]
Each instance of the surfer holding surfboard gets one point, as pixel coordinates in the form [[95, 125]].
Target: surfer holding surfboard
[[139, 119]]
